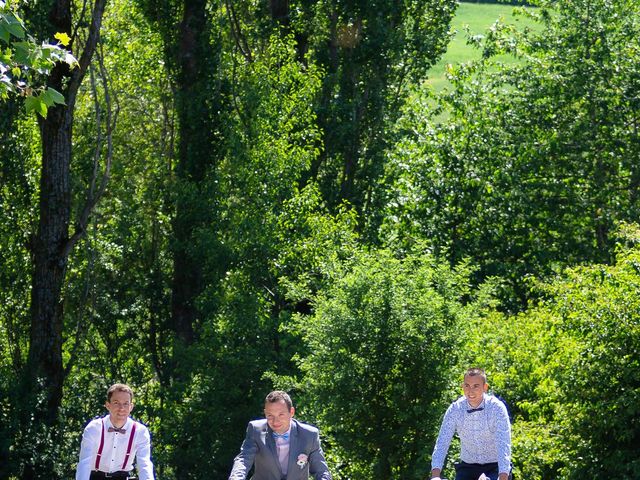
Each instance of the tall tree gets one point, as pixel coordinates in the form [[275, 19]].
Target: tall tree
[[381, 343], [370, 52], [53, 242], [192, 41], [192, 45]]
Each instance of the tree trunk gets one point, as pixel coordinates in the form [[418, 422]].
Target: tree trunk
[[45, 352], [44, 373], [199, 116], [194, 156], [199, 111]]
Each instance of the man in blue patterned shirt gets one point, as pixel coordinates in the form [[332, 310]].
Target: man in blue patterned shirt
[[482, 423]]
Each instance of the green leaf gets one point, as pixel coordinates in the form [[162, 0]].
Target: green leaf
[[23, 52], [35, 104], [10, 24], [4, 33], [31, 103], [51, 97]]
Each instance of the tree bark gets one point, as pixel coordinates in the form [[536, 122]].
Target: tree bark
[[45, 351]]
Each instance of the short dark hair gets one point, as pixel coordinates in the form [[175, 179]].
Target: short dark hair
[[119, 387], [277, 396], [476, 372]]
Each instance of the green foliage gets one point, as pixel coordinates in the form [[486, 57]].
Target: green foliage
[[24, 63], [567, 367], [18, 184], [600, 311], [522, 171], [528, 167], [368, 52], [381, 343]]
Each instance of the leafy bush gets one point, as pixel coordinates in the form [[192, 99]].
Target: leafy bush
[[382, 341], [569, 367]]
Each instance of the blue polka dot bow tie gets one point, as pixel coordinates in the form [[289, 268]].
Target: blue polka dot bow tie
[[471, 410], [283, 436]]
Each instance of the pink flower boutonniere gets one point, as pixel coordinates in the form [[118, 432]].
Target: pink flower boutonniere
[[302, 460]]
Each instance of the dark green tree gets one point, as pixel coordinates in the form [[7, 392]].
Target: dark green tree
[[369, 52], [192, 41]]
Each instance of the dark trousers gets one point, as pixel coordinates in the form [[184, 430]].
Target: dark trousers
[[471, 471]]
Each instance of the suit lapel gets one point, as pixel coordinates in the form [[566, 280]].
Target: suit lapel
[[271, 445], [292, 473]]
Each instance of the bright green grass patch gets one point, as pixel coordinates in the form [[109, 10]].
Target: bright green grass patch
[[479, 17]]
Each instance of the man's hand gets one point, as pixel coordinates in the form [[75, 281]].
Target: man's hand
[[503, 476]]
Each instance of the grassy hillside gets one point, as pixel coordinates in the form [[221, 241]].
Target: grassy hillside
[[478, 16]]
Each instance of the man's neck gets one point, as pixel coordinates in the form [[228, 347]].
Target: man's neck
[[117, 424]]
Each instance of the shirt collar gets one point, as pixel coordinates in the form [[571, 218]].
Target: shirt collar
[[109, 424]]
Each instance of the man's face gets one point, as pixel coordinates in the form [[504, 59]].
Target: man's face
[[473, 387], [278, 416], [119, 406]]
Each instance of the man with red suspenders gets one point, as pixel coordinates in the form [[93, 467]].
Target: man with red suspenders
[[110, 444]]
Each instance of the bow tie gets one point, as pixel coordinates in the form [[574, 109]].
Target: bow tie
[[117, 430], [284, 436], [471, 410]]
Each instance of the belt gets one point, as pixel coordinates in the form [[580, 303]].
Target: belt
[[121, 475]]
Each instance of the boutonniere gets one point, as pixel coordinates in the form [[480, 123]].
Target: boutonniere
[[302, 460]]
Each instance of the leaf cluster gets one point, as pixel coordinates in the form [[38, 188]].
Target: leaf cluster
[[24, 64]]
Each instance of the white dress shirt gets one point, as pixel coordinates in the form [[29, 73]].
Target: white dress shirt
[[114, 449]]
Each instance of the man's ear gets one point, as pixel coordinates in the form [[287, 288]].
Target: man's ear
[[293, 411], [486, 386]]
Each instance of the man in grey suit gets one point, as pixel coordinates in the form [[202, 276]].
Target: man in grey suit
[[279, 447]]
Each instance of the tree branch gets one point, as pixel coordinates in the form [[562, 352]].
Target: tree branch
[[95, 193]]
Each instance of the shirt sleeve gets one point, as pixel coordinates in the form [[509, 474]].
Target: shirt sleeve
[[503, 437], [143, 454], [447, 430], [88, 449], [244, 460]]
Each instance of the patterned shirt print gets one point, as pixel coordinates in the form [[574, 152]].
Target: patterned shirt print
[[485, 435]]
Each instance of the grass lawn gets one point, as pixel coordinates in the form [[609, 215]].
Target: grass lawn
[[479, 17]]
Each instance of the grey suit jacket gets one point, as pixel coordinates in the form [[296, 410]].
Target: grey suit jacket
[[259, 451]]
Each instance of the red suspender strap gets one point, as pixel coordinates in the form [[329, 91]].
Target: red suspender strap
[[126, 458], [101, 446]]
